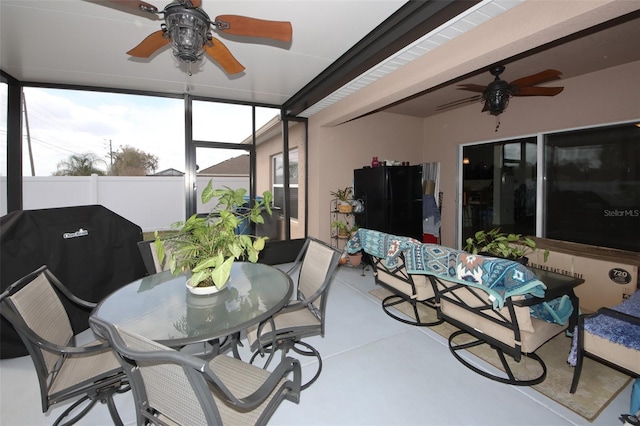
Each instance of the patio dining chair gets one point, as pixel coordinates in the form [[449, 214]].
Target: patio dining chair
[[150, 257], [65, 370], [303, 316], [172, 387]]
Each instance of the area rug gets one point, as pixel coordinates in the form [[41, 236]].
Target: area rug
[[598, 384]]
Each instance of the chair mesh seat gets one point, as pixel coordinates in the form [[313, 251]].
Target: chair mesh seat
[[241, 381], [74, 371], [44, 314]]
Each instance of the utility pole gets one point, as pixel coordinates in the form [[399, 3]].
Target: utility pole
[[26, 122], [110, 155]]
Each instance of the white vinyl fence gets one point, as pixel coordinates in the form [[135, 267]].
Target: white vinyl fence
[[151, 202]]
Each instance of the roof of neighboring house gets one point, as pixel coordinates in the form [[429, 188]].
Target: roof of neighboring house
[[169, 172], [237, 166]]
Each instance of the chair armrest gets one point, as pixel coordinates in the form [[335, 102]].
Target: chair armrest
[[295, 305], [257, 397], [67, 293]]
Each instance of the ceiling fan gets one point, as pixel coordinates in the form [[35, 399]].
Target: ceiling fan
[[497, 93], [187, 27]]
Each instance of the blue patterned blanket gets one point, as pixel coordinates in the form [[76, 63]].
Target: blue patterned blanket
[[501, 278], [379, 244], [613, 329]]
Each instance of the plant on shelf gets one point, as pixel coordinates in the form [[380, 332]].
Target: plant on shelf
[[500, 244], [342, 229], [208, 246], [344, 197]]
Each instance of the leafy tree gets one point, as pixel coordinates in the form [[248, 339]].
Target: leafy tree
[[79, 165], [129, 161]]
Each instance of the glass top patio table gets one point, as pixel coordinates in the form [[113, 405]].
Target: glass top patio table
[[161, 308]]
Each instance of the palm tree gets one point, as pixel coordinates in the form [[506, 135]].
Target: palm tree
[[79, 165]]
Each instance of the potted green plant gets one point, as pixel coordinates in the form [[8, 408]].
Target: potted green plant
[[208, 246], [342, 229], [344, 197], [500, 244]]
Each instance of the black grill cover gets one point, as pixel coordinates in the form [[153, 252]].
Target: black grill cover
[[92, 250]]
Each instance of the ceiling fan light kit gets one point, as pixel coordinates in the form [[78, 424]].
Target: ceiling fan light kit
[[497, 94], [187, 27]]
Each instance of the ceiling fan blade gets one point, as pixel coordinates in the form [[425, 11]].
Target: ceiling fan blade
[[472, 87], [252, 27], [136, 5], [219, 52], [541, 77], [459, 102], [153, 42], [196, 3], [537, 91]]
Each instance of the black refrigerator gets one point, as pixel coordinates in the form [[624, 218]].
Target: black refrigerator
[[392, 197]]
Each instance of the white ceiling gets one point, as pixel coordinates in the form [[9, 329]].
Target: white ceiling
[[83, 42]]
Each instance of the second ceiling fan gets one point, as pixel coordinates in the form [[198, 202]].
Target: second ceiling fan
[[497, 93], [187, 27]]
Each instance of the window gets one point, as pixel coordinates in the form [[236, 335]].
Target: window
[[278, 182], [592, 186], [591, 191]]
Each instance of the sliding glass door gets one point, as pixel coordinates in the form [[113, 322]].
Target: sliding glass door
[[499, 187]]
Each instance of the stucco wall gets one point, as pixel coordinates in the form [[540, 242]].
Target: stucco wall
[[604, 97], [265, 152], [334, 152]]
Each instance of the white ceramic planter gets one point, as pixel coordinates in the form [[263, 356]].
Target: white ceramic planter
[[203, 291]]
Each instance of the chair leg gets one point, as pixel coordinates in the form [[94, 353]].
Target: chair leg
[[511, 378], [577, 370], [266, 349], [113, 411], [311, 351], [73, 406], [394, 299], [104, 395]]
